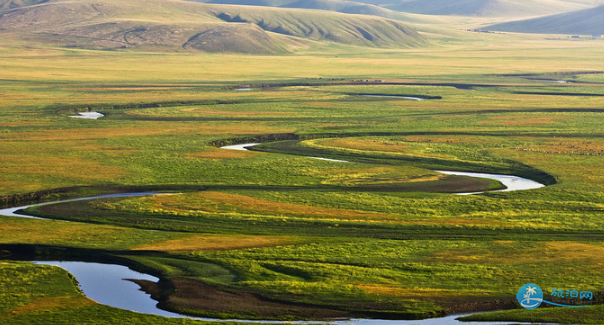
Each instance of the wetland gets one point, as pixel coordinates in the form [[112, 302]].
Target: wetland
[[371, 231]]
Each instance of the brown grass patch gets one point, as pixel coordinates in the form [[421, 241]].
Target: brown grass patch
[[48, 304], [219, 154], [216, 242], [198, 296]]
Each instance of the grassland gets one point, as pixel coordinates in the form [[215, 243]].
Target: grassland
[[373, 237]]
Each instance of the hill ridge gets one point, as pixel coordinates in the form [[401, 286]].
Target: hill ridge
[[583, 22], [113, 24]]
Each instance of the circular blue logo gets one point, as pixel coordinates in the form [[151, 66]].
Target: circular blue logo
[[530, 296]]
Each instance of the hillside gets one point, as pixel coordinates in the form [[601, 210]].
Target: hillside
[[176, 25], [321, 25], [481, 8], [11, 4], [583, 22], [343, 6], [489, 8]]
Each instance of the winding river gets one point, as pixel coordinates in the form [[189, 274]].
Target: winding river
[[107, 284], [511, 182]]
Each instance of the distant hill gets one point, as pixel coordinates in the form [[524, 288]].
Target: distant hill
[[176, 25], [582, 22], [391, 8], [318, 25], [343, 6], [486, 8], [11, 4]]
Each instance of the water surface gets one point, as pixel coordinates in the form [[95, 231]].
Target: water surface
[[512, 183], [88, 115], [396, 96]]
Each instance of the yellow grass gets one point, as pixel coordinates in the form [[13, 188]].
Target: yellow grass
[[368, 145], [376, 175], [70, 167], [523, 120], [219, 154], [444, 139], [16, 124], [216, 242], [231, 113], [217, 201], [51, 303], [562, 252], [415, 293], [144, 129], [61, 233]]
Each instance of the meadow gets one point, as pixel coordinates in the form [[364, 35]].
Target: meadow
[[382, 235]]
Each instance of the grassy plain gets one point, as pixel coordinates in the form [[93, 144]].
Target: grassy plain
[[378, 236]]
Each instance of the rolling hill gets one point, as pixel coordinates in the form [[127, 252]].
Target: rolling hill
[[487, 8], [343, 6], [388, 8], [582, 22], [178, 25], [11, 4]]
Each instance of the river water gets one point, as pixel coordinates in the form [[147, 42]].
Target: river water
[[512, 183], [88, 115], [395, 96]]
